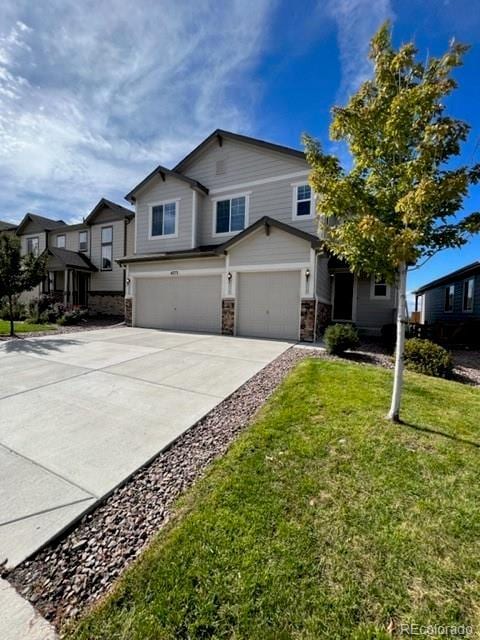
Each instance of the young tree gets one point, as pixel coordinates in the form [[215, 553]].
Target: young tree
[[397, 204], [18, 273]]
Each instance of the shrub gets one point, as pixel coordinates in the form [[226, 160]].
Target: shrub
[[74, 316], [19, 310], [424, 356], [340, 337]]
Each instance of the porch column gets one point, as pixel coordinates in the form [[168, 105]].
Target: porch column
[[66, 292]]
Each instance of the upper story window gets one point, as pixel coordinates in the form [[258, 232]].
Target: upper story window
[[61, 241], [33, 245], [449, 297], [468, 287], [164, 220], [302, 201], [83, 240], [230, 215], [107, 248], [379, 288]]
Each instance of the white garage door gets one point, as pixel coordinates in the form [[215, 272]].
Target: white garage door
[[188, 303], [268, 304]]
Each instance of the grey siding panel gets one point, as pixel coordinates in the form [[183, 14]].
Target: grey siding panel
[[275, 248], [323, 282], [42, 240], [373, 312], [242, 163], [107, 280], [72, 239], [158, 191], [434, 301]]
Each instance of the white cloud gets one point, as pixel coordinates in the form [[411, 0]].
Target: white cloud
[[357, 21], [93, 95]]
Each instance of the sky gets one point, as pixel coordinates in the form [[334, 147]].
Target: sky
[[93, 95]]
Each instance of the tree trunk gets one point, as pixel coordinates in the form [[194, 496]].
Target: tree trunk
[[394, 413], [10, 306]]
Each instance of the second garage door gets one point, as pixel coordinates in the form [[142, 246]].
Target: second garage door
[[185, 303], [268, 304]]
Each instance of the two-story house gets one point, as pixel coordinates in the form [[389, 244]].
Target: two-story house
[[227, 242], [82, 263]]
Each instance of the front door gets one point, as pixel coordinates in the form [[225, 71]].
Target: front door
[[82, 288], [343, 296]]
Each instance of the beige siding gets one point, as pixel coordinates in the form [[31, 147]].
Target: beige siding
[[107, 280], [159, 191], [72, 239], [262, 249], [373, 312], [242, 163], [130, 237], [323, 282], [177, 265]]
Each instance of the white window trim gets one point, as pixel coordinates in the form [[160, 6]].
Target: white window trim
[[463, 296], [448, 286], [61, 235], [295, 186], [175, 201], [245, 195], [79, 241], [372, 290], [106, 244]]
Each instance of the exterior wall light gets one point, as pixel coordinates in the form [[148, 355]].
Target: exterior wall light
[[307, 273], [128, 280], [229, 276]]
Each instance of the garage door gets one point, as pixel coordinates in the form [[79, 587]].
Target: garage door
[[190, 303], [268, 304]]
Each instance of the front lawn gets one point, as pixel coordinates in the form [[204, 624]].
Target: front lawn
[[323, 521], [24, 327]]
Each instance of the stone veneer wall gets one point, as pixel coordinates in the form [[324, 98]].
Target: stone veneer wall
[[108, 304], [307, 320], [228, 317], [324, 317], [128, 311]]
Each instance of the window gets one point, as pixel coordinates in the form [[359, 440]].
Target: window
[[83, 240], [230, 215], [107, 239], [379, 288], [164, 220], [468, 286], [449, 297], [302, 201], [32, 246], [61, 241]]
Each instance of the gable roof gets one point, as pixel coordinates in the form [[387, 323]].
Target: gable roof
[[72, 259], [163, 172], [220, 134], [113, 206], [469, 269], [7, 226], [46, 224], [268, 222]]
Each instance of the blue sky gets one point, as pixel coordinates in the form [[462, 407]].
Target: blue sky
[[94, 94]]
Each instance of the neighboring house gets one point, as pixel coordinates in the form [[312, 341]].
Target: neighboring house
[[7, 227], [455, 298], [82, 268], [227, 242]]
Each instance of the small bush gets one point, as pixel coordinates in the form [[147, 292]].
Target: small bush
[[424, 356], [340, 337], [74, 316], [19, 310]]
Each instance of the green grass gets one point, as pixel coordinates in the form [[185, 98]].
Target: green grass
[[323, 521], [24, 327]]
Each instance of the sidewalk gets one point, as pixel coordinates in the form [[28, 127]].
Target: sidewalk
[[19, 620]]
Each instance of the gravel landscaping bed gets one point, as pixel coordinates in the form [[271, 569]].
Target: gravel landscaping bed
[[67, 576], [86, 325]]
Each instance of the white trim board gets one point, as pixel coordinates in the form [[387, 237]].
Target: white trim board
[[253, 183]]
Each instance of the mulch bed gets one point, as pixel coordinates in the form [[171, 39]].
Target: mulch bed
[[85, 325], [70, 574]]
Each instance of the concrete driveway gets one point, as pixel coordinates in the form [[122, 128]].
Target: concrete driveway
[[80, 412]]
